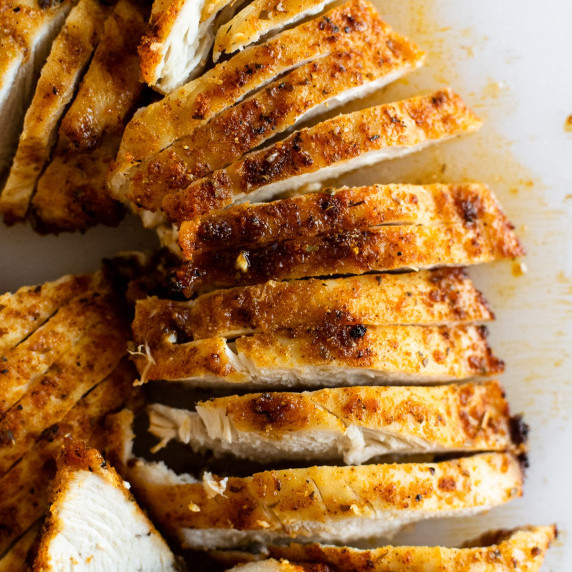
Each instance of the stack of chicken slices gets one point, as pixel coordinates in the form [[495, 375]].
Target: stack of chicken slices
[[333, 335]]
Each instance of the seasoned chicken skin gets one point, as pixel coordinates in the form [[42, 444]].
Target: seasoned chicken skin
[[374, 58], [435, 297], [94, 522], [322, 504], [326, 150], [520, 549], [328, 356], [353, 424], [70, 55]]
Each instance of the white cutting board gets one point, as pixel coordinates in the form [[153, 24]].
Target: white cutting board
[[512, 61]]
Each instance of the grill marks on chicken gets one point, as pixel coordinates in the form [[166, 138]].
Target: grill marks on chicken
[[436, 297], [260, 18], [328, 356], [338, 210], [24, 487], [95, 523], [520, 549], [70, 55], [72, 193], [28, 29], [326, 150], [375, 58], [353, 424], [323, 504], [180, 113]]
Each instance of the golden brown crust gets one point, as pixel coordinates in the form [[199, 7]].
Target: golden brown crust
[[177, 115], [328, 211], [282, 502], [414, 353], [24, 488], [379, 54], [24, 311], [72, 375], [380, 249], [521, 549], [401, 125], [439, 297], [452, 417], [19, 557], [70, 54]]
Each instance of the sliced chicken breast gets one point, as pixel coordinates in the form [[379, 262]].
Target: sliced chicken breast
[[19, 557], [380, 249], [177, 44], [261, 18], [24, 488], [327, 150], [322, 504], [350, 424], [72, 193], [28, 29], [519, 549], [157, 126], [329, 356], [24, 311], [375, 58], [328, 211], [94, 522], [70, 55], [435, 297], [73, 374]]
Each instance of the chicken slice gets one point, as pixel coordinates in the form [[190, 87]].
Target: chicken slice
[[70, 55], [91, 130], [157, 126], [82, 367], [180, 35], [24, 311], [322, 504], [261, 18], [18, 558], [28, 29], [326, 150], [437, 297], [380, 249], [94, 522], [351, 424], [499, 551], [328, 356], [24, 488], [375, 58], [328, 211]]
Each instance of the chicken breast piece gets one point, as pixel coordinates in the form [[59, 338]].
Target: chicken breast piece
[[72, 193], [24, 311], [25, 496], [73, 374], [328, 356], [379, 249], [261, 18], [351, 424], [327, 150], [18, 558], [329, 210], [322, 504], [519, 549], [70, 55], [28, 29], [180, 35], [375, 58], [157, 126], [437, 297], [94, 522]]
